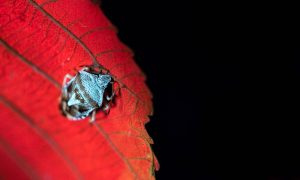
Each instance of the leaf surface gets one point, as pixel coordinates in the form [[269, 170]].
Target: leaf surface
[[41, 42]]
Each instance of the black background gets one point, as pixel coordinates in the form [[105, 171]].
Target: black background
[[225, 107]]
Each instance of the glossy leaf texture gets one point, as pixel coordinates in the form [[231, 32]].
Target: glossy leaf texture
[[41, 42]]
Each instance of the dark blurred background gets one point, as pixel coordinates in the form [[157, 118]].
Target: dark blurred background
[[224, 107]]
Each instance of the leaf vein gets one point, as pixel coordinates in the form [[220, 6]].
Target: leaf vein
[[21, 163], [70, 33], [43, 134], [29, 63], [114, 147]]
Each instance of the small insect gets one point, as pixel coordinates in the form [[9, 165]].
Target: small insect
[[85, 93]]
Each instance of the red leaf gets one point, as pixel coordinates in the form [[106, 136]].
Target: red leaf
[[42, 41]]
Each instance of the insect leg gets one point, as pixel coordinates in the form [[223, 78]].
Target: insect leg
[[93, 117], [67, 76], [106, 108], [114, 92], [86, 69], [108, 98]]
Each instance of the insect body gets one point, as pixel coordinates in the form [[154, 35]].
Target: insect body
[[85, 93]]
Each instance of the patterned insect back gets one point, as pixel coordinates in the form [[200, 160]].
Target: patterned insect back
[[84, 93]]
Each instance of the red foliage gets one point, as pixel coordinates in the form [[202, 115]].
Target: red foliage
[[41, 41]]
